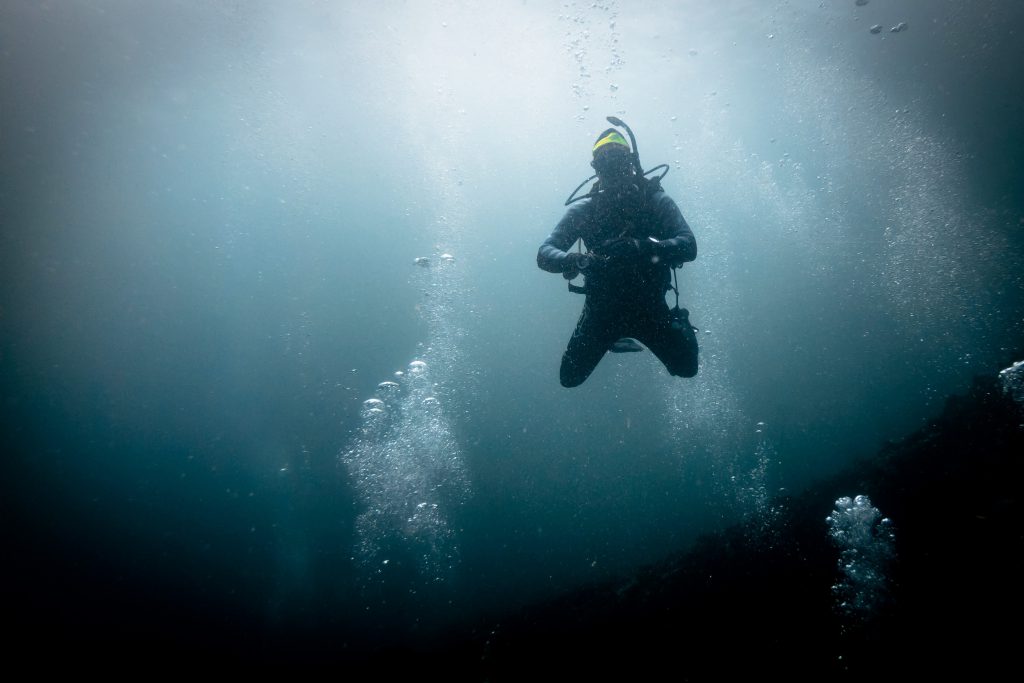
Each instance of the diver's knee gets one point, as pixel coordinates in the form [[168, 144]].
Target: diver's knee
[[569, 381], [687, 371], [570, 376]]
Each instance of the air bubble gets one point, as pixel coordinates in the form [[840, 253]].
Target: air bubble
[[388, 389], [373, 404]]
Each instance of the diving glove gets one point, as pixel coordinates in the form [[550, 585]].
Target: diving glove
[[576, 263]]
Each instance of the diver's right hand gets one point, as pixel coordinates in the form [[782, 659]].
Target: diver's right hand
[[576, 263]]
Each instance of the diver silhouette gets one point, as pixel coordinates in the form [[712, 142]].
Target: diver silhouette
[[635, 236]]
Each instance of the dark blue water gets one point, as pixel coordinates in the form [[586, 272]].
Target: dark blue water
[[210, 215]]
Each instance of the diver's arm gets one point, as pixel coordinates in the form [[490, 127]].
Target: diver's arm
[[553, 254], [679, 244]]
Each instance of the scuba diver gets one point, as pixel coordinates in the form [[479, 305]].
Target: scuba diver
[[635, 238]]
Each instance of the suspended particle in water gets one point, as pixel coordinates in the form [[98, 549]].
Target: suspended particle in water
[[861, 3], [613, 87], [693, 52]]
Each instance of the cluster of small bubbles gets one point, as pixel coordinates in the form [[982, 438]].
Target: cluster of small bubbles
[[760, 513], [1012, 379], [578, 45], [927, 280], [425, 262], [866, 541], [407, 469]]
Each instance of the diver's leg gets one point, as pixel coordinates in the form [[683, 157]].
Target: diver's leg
[[675, 348], [593, 335]]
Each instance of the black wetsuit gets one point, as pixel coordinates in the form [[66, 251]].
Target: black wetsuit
[[626, 296]]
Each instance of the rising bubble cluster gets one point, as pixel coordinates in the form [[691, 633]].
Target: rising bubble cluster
[[594, 43], [407, 469], [866, 543], [405, 463], [758, 510], [1012, 379]]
